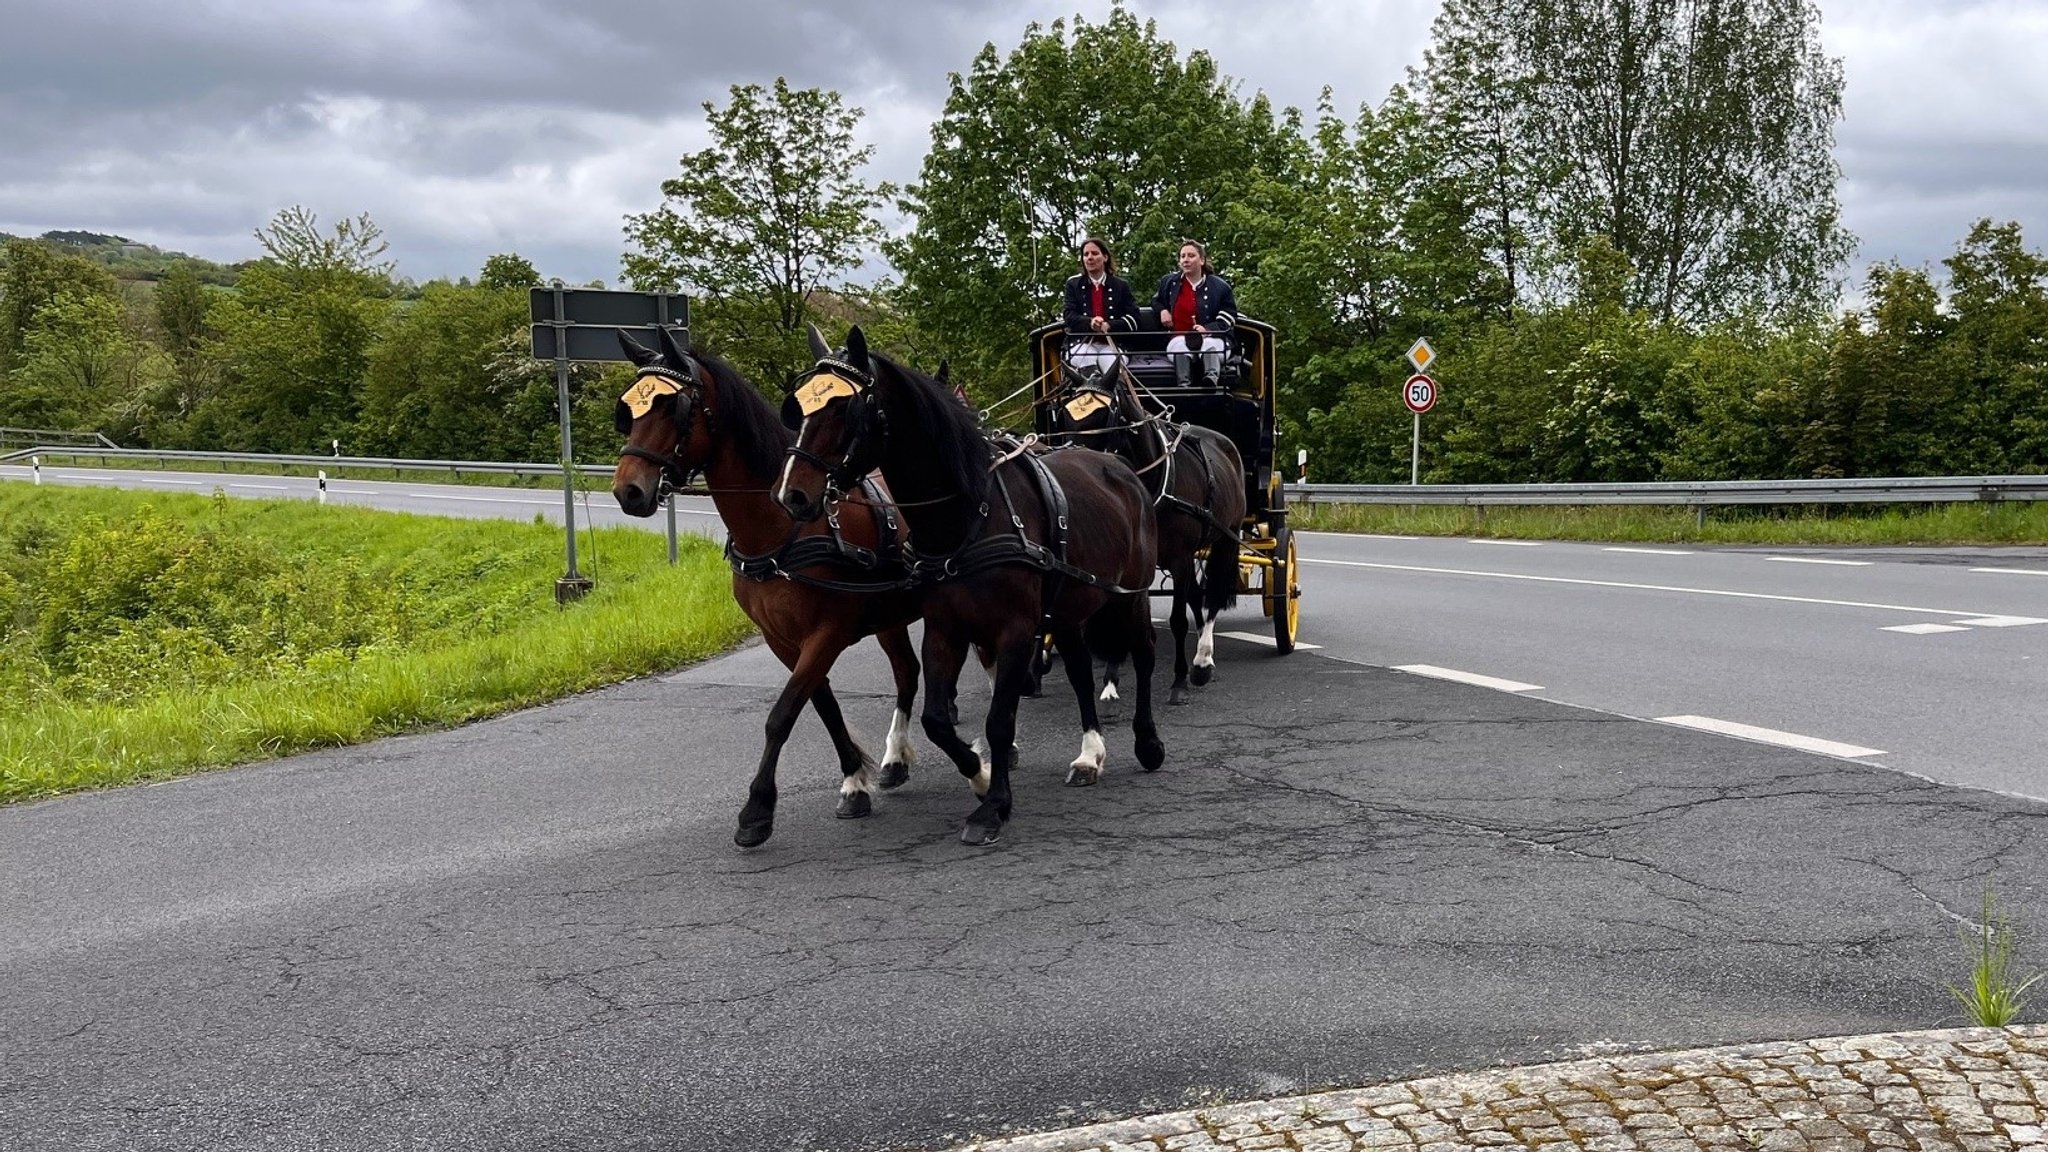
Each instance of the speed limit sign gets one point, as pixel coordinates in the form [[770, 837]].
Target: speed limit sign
[[1419, 393]]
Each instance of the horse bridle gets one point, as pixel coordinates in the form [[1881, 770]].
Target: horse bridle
[[866, 418], [675, 471]]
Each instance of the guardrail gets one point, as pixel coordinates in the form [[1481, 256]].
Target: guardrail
[[52, 436], [1701, 494], [282, 460]]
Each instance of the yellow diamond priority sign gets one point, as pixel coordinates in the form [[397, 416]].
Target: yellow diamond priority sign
[[1421, 355]]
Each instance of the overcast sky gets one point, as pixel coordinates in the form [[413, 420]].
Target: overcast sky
[[467, 128]]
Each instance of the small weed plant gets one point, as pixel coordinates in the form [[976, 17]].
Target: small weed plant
[[1995, 996]]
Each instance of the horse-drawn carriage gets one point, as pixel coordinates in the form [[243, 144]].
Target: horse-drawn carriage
[[1236, 400]]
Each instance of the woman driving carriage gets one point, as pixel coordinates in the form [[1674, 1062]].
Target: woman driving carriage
[[1099, 302], [1195, 300]]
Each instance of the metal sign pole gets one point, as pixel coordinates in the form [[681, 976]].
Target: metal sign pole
[[671, 529], [573, 585], [1415, 453]]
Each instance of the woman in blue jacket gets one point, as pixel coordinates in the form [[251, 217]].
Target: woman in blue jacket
[[1099, 303], [1195, 300]]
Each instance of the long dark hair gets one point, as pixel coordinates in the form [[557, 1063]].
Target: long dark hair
[[1108, 257], [951, 435], [745, 416]]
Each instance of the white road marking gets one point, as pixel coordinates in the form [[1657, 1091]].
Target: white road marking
[[1649, 551], [2002, 621], [1819, 560], [1268, 641], [1384, 536], [1924, 629], [480, 499], [1770, 736], [1437, 673], [265, 487], [1508, 543], [1918, 611], [2014, 571]]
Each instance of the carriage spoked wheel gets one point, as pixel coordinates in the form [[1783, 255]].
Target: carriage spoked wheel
[[1280, 594]]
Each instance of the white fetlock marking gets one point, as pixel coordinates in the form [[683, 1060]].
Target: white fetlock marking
[[1109, 692], [861, 781], [979, 781], [899, 749], [1205, 648], [1093, 751]]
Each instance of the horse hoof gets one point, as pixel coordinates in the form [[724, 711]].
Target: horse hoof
[[1151, 754], [894, 774], [754, 835], [854, 805], [1177, 695], [1082, 775], [978, 835], [1201, 674]]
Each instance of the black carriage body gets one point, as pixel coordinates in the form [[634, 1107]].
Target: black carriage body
[[1239, 404]]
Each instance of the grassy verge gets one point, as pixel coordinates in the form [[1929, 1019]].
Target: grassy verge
[[1862, 525], [551, 481], [145, 635]]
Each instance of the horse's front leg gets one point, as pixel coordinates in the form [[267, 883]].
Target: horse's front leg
[[898, 755], [943, 658], [1087, 767], [1185, 595], [1151, 752], [1013, 672], [856, 767], [757, 816]]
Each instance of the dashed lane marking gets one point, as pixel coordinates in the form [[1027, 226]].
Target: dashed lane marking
[[1268, 641], [264, 487], [1924, 629], [1819, 560], [2002, 621], [1726, 592], [1437, 673], [2014, 571], [1508, 543], [1771, 736], [1650, 551], [481, 499]]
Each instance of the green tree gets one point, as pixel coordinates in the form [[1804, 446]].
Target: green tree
[[296, 337], [508, 270], [80, 365], [1697, 135], [1998, 345], [34, 276], [760, 222], [429, 389], [1082, 129], [183, 308]]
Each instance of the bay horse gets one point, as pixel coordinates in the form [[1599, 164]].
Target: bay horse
[[1196, 480], [813, 588], [1005, 548]]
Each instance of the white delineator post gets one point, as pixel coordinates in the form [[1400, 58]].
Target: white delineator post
[[35, 466], [323, 485]]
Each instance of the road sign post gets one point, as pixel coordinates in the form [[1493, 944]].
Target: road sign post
[[1419, 394], [580, 324]]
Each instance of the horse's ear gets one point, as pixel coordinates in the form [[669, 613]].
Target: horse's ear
[[819, 349], [792, 413], [857, 347], [676, 353], [638, 353], [622, 418], [945, 375]]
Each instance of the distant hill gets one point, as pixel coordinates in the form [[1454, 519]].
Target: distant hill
[[133, 260]]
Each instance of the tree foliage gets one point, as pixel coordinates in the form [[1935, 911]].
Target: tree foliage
[[1082, 129], [759, 222]]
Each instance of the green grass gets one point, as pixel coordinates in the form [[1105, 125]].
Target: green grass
[[1980, 524], [144, 635], [1996, 994]]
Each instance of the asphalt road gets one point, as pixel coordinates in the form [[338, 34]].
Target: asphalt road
[[1803, 644], [534, 932]]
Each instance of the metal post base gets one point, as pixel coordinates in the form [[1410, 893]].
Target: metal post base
[[569, 588]]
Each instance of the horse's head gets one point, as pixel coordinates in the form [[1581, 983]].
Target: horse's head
[[663, 417], [1088, 410], [836, 408]]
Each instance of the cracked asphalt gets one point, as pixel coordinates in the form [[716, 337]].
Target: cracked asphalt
[[534, 932]]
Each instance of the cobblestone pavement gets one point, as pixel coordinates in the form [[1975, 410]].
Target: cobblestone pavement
[[1968, 1090]]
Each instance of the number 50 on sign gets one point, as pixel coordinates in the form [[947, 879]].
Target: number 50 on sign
[[1420, 393]]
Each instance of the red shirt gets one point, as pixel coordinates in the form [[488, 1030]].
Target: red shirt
[[1095, 305], [1184, 307]]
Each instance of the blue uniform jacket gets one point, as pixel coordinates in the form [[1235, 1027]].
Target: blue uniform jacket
[[1117, 303], [1215, 303]]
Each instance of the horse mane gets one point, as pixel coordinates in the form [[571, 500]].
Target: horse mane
[[746, 419], [951, 435]]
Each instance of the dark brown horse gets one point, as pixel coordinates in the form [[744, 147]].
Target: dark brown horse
[[1196, 480], [1005, 549], [813, 588]]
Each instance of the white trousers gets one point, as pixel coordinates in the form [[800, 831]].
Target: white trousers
[[1095, 354]]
